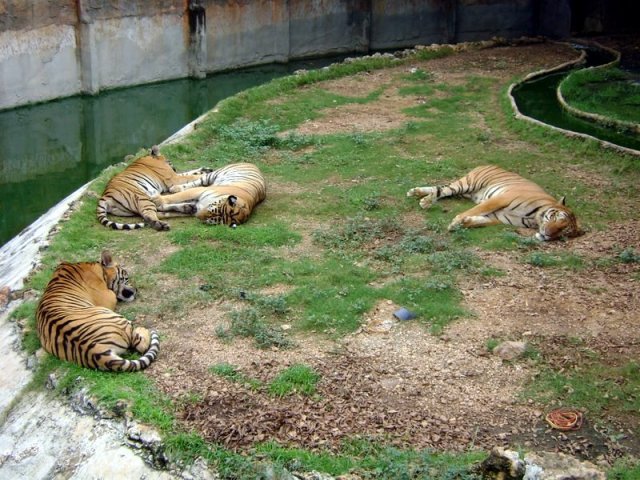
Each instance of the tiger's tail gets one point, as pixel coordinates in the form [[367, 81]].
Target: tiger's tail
[[118, 364], [103, 209]]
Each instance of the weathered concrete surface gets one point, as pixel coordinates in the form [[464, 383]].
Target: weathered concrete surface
[[38, 65], [406, 23], [43, 438], [480, 19], [118, 52], [326, 27], [240, 33], [63, 47], [13, 374]]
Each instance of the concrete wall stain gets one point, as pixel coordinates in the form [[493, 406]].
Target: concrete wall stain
[[206, 36]]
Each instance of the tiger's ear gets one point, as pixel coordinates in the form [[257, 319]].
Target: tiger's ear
[[232, 199], [563, 200], [106, 259]]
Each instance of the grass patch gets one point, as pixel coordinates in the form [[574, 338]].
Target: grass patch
[[250, 323], [606, 91], [231, 373], [295, 379], [595, 387], [562, 260]]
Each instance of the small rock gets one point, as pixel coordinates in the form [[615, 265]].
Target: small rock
[[510, 350], [52, 382], [5, 296], [558, 466], [503, 464]]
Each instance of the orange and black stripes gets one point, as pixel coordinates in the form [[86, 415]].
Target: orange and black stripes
[[76, 321]]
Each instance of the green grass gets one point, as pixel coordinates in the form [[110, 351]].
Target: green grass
[[231, 373], [295, 379], [610, 92], [594, 387], [562, 260], [338, 236]]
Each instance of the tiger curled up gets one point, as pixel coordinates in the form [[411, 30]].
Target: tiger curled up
[[504, 197], [76, 321], [128, 194], [231, 194]]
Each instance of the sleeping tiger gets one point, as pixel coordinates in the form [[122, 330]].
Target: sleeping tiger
[[504, 197], [128, 194], [232, 193], [76, 321]]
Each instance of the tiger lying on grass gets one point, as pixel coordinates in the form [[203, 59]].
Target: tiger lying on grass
[[128, 194], [504, 197], [76, 321], [232, 193]]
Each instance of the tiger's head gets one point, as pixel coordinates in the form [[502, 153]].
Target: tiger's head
[[117, 278], [557, 221], [225, 210]]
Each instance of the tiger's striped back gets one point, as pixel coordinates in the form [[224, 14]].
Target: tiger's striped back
[[76, 321], [233, 192], [129, 192]]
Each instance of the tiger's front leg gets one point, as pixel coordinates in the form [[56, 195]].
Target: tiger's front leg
[[166, 207], [482, 215], [195, 183], [197, 172], [427, 195]]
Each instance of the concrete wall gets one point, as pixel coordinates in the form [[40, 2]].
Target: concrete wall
[[57, 48]]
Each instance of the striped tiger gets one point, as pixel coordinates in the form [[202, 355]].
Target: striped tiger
[[504, 197], [76, 321], [128, 194], [228, 199]]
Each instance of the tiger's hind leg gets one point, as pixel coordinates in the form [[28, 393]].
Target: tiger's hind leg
[[149, 213], [481, 215], [141, 339]]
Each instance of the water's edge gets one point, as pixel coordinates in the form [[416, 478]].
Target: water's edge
[[570, 133]]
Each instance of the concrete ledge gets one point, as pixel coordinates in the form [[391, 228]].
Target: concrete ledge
[[520, 116], [594, 117]]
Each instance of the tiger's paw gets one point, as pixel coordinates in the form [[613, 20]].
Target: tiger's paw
[[160, 226], [457, 222], [189, 208], [415, 192], [176, 189], [427, 201]]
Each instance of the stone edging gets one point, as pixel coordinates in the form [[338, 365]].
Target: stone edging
[[520, 116], [594, 117]]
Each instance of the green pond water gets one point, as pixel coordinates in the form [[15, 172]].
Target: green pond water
[[537, 99], [51, 149]]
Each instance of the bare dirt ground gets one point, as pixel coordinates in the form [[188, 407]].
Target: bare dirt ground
[[394, 380]]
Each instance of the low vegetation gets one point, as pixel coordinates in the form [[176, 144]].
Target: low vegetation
[[337, 237], [610, 92]]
